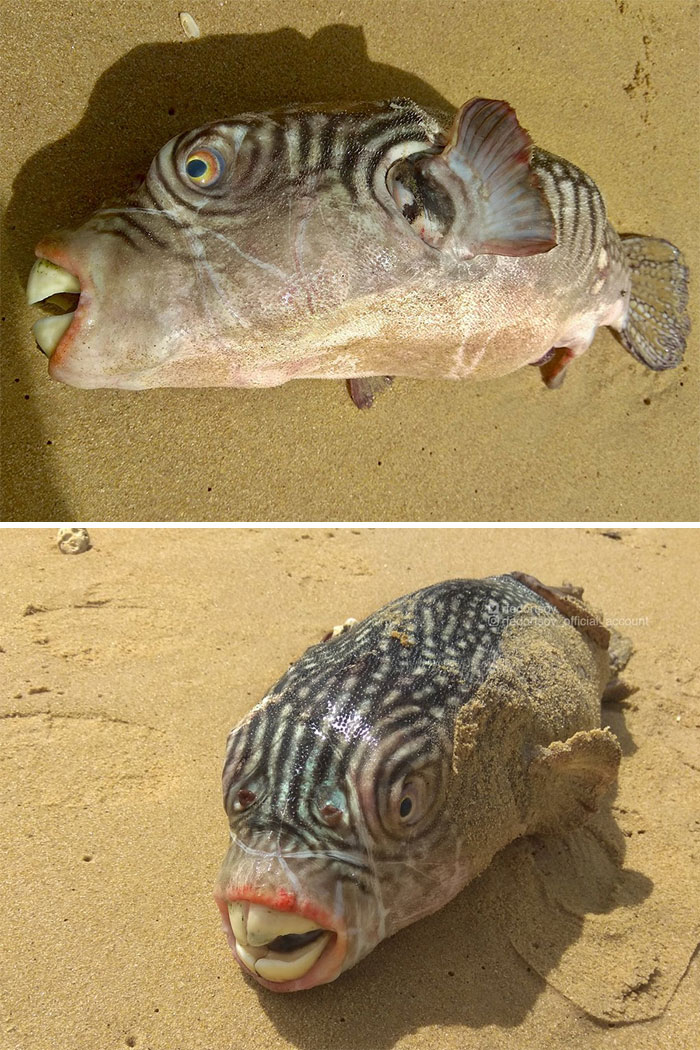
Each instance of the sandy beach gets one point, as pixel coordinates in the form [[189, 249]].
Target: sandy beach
[[124, 669], [95, 90]]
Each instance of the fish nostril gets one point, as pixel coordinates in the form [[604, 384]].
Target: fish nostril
[[244, 798], [332, 816]]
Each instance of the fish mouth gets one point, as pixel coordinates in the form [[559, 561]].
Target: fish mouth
[[59, 291], [285, 951]]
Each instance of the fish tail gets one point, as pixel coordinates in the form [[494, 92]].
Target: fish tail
[[657, 324]]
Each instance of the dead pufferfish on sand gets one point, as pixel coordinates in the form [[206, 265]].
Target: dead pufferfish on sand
[[394, 759], [357, 244]]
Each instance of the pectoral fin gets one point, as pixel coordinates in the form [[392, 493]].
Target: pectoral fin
[[480, 195], [568, 778], [366, 390]]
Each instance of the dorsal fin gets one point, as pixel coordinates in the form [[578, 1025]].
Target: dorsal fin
[[569, 602], [479, 196]]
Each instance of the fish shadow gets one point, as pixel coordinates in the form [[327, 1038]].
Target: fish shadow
[[613, 718], [149, 95], [488, 956]]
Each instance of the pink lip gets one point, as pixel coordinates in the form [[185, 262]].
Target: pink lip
[[51, 248], [327, 966]]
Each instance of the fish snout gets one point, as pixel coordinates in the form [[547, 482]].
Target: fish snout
[[284, 950], [121, 320], [67, 277]]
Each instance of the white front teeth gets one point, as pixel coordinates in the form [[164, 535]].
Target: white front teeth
[[48, 331], [248, 956], [46, 278], [277, 967], [264, 924], [237, 917], [255, 927]]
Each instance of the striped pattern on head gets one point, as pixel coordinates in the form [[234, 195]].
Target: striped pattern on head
[[364, 721], [284, 154]]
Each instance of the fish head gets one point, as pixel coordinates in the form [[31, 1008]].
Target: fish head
[[336, 816], [156, 277], [391, 763], [126, 331]]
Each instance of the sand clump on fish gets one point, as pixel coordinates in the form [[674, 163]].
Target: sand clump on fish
[[378, 240], [396, 758]]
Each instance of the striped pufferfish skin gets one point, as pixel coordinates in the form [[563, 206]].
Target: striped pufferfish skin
[[377, 240], [393, 760]]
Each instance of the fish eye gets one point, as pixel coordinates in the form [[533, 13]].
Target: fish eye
[[412, 798], [204, 166]]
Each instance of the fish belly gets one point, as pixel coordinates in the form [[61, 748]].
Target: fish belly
[[427, 317], [457, 330]]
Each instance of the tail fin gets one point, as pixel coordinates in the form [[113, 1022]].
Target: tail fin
[[657, 325]]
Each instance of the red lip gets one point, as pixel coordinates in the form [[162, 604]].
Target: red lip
[[326, 968]]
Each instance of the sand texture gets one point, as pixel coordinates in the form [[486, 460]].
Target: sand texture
[[124, 669], [94, 90]]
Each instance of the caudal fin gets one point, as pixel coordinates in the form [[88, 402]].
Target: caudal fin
[[657, 325]]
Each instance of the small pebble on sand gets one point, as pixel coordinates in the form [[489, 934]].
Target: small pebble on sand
[[73, 541]]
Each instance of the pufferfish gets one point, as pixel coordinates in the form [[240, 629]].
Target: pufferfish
[[394, 759], [377, 240]]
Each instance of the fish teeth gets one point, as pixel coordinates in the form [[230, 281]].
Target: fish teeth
[[237, 917], [47, 278], [48, 331], [255, 926], [265, 924], [249, 956], [277, 967]]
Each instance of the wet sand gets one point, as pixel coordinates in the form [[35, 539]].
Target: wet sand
[[125, 668], [95, 90]]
